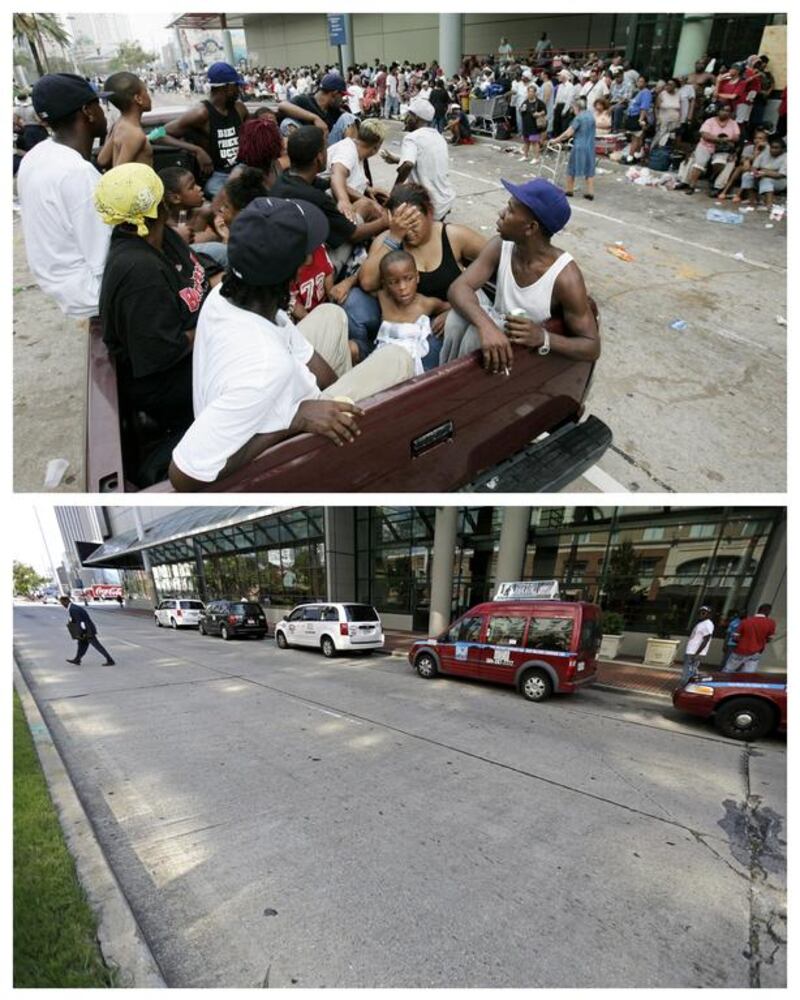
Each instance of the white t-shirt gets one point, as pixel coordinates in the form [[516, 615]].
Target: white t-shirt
[[354, 94], [249, 377], [427, 150], [391, 85], [66, 241], [699, 632], [346, 152]]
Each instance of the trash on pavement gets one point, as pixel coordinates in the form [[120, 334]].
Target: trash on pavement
[[781, 320], [729, 218], [619, 252], [738, 255], [56, 468], [769, 225], [679, 324], [777, 213]]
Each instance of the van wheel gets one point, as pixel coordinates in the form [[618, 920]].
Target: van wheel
[[744, 719], [280, 638], [327, 646], [173, 623], [224, 633], [426, 666], [201, 629], [535, 685]]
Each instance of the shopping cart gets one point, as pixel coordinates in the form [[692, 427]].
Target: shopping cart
[[488, 112]]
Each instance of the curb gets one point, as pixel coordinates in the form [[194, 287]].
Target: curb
[[119, 936]]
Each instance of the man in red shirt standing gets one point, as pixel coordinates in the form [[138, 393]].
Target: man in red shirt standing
[[753, 635]]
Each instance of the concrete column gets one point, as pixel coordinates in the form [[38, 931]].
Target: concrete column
[[148, 568], [770, 588], [513, 538], [348, 51], [693, 43], [444, 546], [200, 570], [227, 44], [451, 36], [340, 553]]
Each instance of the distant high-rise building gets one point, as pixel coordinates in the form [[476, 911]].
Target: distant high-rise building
[[105, 32], [82, 524]]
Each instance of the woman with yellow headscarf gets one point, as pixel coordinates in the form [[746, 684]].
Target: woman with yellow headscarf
[[153, 288]]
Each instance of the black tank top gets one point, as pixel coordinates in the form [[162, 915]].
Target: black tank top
[[223, 134], [436, 283]]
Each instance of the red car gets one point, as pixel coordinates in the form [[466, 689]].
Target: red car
[[541, 647], [742, 706]]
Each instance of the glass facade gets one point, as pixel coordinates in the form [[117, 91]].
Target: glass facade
[[655, 566], [278, 559]]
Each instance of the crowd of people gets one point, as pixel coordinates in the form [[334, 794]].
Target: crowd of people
[[262, 285]]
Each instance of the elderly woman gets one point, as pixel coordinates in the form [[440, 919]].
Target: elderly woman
[[152, 290], [582, 155], [441, 252]]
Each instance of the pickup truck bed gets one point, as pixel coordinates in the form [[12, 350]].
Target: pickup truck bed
[[453, 428]]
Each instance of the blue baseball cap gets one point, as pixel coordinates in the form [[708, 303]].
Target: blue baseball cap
[[220, 73], [545, 200], [57, 95], [333, 83]]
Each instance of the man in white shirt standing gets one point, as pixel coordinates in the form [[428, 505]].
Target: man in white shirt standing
[[424, 158], [66, 241], [697, 644]]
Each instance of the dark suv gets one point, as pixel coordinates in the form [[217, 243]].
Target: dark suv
[[232, 618]]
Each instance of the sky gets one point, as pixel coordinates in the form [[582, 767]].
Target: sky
[[28, 545]]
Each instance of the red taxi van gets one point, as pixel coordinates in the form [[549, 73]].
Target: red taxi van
[[540, 646]]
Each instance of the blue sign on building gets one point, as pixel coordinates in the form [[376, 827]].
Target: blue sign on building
[[337, 29]]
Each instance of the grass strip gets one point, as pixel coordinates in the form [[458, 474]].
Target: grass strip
[[55, 929]]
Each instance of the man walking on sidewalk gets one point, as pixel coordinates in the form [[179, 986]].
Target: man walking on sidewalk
[[88, 633], [697, 645], [753, 633]]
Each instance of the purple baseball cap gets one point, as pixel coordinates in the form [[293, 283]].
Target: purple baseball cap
[[545, 200]]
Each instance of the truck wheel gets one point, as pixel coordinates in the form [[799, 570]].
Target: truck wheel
[[224, 633], [280, 638], [744, 719], [535, 685], [327, 646], [426, 666]]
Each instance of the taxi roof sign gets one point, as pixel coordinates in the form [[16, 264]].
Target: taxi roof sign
[[528, 590]]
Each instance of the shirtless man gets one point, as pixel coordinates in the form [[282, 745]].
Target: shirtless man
[[127, 142]]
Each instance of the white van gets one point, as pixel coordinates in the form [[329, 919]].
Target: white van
[[178, 613], [332, 628]]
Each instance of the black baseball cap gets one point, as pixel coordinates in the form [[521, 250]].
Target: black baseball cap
[[57, 95], [271, 237]]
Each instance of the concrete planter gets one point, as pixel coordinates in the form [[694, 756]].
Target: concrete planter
[[661, 652], [609, 646]]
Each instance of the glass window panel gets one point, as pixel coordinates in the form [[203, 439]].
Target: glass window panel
[[505, 630], [467, 630], [550, 633]]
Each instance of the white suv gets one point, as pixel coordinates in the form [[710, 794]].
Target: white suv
[[332, 628], [179, 613]]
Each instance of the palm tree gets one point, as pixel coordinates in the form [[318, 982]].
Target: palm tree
[[35, 28]]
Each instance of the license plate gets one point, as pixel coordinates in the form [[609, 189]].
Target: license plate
[[250, 621]]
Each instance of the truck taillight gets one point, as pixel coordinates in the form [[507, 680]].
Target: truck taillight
[[233, 619], [572, 665], [344, 629]]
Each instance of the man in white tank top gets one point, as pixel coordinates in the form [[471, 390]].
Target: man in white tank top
[[534, 279]]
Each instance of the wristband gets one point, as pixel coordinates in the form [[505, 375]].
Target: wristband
[[392, 243]]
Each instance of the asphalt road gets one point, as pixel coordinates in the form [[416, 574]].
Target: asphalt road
[[275, 817], [693, 410]]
